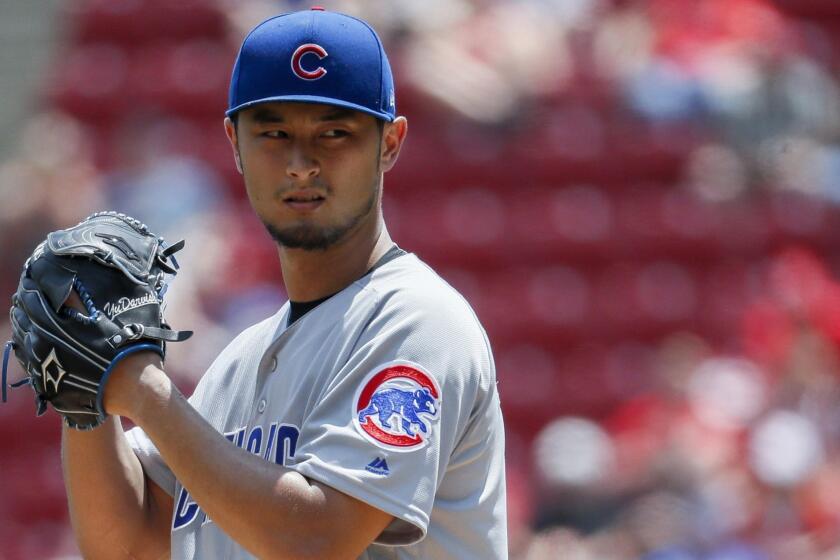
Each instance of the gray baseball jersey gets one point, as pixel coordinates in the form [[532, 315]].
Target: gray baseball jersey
[[386, 391]]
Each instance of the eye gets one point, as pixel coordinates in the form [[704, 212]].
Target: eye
[[336, 133], [275, 134]]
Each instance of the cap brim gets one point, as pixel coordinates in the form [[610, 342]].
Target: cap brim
[[312, 99]]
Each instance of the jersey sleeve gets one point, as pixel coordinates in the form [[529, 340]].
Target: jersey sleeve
[[149, 456], [385, 424]]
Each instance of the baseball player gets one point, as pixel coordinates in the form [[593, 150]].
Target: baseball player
[[362, 419]]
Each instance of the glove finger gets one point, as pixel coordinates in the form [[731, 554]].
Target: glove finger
[[20, 320], [29, 300], [36, 312], [74, 301], [20, 331], [30, 349], [54, 281]]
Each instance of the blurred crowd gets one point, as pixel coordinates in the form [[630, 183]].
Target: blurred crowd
[[675, 161], [725, 456]]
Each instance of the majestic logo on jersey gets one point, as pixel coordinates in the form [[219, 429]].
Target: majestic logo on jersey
[[297, 60], [396, 405], [378, 466]]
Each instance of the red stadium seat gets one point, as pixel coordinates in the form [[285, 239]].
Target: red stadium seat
[[799, 217], [727, 289], [817, 9], [616, 305], [570, 222], [559, 296], [474, 217], [579, 387], [691, 221], [188, 78], [744, 228], [640, 230], [134, 22], [524, 372], [464, 225], [666, 292], [91, 82]]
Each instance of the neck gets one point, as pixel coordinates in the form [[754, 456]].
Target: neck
[[311, 275]]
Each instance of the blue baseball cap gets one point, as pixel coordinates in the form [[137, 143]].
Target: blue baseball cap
[[314, 56]]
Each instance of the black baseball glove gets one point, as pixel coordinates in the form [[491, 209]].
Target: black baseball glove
[[117, 267]]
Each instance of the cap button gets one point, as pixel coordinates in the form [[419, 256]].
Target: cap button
[[318, 8]]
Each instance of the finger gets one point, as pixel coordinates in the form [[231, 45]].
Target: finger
[[74, 301]]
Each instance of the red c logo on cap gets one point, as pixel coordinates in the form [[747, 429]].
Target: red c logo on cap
[[299, 70]]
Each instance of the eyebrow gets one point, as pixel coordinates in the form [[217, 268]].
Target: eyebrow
[[270, 116], [338, 114]]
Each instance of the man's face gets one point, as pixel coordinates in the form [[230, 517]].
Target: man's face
[[312, 171]]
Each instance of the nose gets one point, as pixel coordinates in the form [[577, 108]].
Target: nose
[[301, 165]]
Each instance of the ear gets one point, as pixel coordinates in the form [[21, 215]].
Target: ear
[[393, 136], [230, 131]]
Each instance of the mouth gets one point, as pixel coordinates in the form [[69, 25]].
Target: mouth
[[304, 200]]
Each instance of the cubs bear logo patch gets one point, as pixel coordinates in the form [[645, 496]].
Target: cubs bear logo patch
[[396, 406]]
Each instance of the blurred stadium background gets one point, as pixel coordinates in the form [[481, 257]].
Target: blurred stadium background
[[641, 199]]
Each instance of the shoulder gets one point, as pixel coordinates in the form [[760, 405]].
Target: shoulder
[[409, 289], [416, 310]]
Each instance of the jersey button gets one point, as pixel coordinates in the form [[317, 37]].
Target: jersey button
[[261, 406], [273, 364]]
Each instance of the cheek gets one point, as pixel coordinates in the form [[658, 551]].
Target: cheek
[[354, 182], [360, 167], [261, 176], [261, 193]]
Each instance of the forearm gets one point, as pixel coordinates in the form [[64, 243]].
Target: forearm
[[110, 506], [264, 507]]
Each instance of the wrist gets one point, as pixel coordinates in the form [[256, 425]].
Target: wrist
[[153, 391], [134, 380]]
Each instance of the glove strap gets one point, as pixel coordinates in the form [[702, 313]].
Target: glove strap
[[167, 335], [136, 331], [174, 248], [168, 254], [10, 345], [6, 352]]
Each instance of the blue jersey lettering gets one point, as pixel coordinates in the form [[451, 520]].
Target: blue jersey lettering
[[255, 440], [272, 431], [282, 440], [287, 436], [185, 511]]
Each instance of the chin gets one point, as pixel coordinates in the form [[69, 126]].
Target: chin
[[306, 237]]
